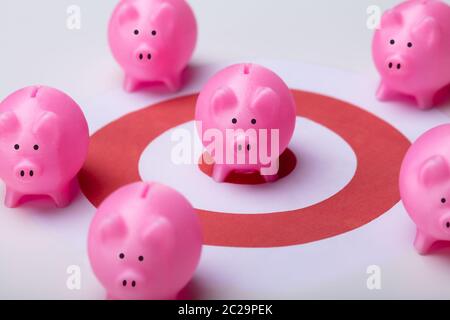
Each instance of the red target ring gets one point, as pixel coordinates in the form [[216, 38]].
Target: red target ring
[[115, 151]]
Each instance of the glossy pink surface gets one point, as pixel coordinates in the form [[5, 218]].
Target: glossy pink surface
[[425, 187], [411, 51], [144, 242], [245, 97], [152, 40], [44, 141]]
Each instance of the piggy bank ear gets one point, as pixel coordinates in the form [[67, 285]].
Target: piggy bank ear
[[434, 170], [223, 99], [113, 228], [266, 101], [127, 12], [164, 17], [427, 31], [391, 18], [8, 122], [46, 127], [159, 235]]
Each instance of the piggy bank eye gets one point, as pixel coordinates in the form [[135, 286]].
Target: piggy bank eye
[[16, 146], [121, 256], [443, 200], [136, 32], [36, 147], [141, 258], [234, 120], [253, 121], [410, 44], [392, 42], [153, 32]]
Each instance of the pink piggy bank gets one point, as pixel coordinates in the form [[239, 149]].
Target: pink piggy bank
[[153, 40], [144, 242], [246, 118], [44, 140], [425, 187], [411, 51]]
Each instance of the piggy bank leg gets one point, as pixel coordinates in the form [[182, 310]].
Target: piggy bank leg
[[270, 178], [423, 242], [384, 93], [173, 82], [12, 198], [425, 100], [130, 84], [63, 196], [220, 172]]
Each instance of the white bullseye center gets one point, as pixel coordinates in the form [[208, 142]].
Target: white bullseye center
[[324, 167]]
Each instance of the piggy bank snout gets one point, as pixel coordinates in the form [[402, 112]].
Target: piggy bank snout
[[144, 54], [445, 223], [27, 170], [130, 279], [242, 143], [396, 64]]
